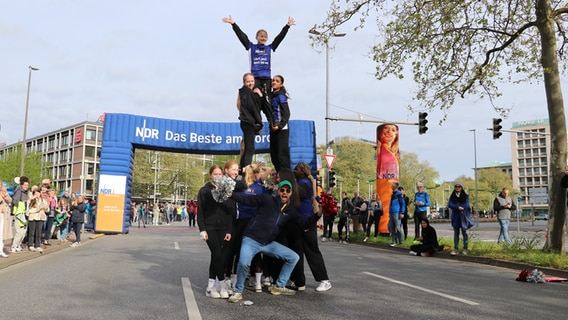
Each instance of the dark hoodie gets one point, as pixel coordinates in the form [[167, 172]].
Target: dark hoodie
[[270, 216]]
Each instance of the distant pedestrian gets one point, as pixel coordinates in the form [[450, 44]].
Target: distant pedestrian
[[78, 218], [396, 213], [404, 219], [461, 210], [375, 213], [421, 204], [503, 205]]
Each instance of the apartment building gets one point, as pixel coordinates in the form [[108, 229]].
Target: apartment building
[[530, 155], [71, 156]]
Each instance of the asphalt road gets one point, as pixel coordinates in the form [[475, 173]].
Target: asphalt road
[[161, 273]]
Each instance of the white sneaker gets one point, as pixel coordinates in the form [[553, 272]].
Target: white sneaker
[[392, 244], [212, 293], [3, 255], [413, 253], [330, 239], [453, 252], [366, 238], [236, 297], [32, 248], [258, 287], [324, 286], [323, 239], [224, 294], [40, 250], [464, 252]]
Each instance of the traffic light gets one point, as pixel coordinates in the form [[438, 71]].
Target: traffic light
[[331, 179], [422, 128], [497, 128], [318, 181]]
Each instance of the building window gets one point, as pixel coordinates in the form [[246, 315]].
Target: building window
[[521, 162], [89, 185], [522, 172], [51, 143], [90, 151], [521, 153], [100, 135], [90, 134], [64, 155], [64, 140], [90, 168]]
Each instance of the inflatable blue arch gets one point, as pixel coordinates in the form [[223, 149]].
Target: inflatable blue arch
[[123, 133]]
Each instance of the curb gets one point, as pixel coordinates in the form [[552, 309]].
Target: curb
[[480, 260]]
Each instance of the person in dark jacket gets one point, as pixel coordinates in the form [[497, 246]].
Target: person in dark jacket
[[279, 130], [249, 104], [274, 211], [215, 221], [429, 241], [78, 218]]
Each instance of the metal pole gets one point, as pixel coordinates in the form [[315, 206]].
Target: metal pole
[[476, 190], [26, 119]]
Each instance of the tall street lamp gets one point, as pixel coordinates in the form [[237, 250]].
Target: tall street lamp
[[336, 35], [475, 173], [26, 120]]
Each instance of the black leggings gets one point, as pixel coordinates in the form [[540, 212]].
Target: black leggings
[[217, 245], [374, 219], [328, 225]]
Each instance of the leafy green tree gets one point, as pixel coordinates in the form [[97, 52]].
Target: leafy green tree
[[457, 48], [33, 166]]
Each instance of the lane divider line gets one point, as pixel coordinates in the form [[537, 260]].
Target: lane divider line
[[192, 309], [469, 302]]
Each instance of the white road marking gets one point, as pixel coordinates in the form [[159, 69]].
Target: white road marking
[[192, 309], [176, 245], [471, 303]]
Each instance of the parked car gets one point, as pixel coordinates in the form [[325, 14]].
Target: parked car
[[541, 216]]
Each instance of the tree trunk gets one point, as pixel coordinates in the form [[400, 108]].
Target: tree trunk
[[555, 103]]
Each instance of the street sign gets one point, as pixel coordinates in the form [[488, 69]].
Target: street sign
[[329, 160], [538, 195]]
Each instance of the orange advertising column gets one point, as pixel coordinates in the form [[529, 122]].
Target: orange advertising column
[[388, 157]]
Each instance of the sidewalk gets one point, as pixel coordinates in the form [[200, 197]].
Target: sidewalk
[[56, 245]]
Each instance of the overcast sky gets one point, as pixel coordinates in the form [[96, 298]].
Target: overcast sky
[[176, 59]]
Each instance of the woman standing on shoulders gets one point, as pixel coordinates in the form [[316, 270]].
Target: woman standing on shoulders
[[215, 223], [279, 133]]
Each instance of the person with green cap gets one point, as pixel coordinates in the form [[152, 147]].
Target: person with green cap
[[274, 210]]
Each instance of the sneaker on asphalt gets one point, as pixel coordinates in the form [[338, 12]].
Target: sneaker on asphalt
[[413, 253], [453, 252], [330, 239], [324, 286], [16, 250], [31, 248], [236, 297], [464, 252], [301, 288], [392, 244], [282, 290], [224, 294], [323, 239], [258, 287], [366, 238], [3, 255], [40, 250], [212, 293]]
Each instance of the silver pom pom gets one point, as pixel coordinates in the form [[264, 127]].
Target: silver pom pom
[[225, 186]]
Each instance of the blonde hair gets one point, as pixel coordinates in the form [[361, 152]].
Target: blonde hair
[[305, 168]]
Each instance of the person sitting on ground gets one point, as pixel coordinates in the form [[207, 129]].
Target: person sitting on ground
[[429, 241]]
